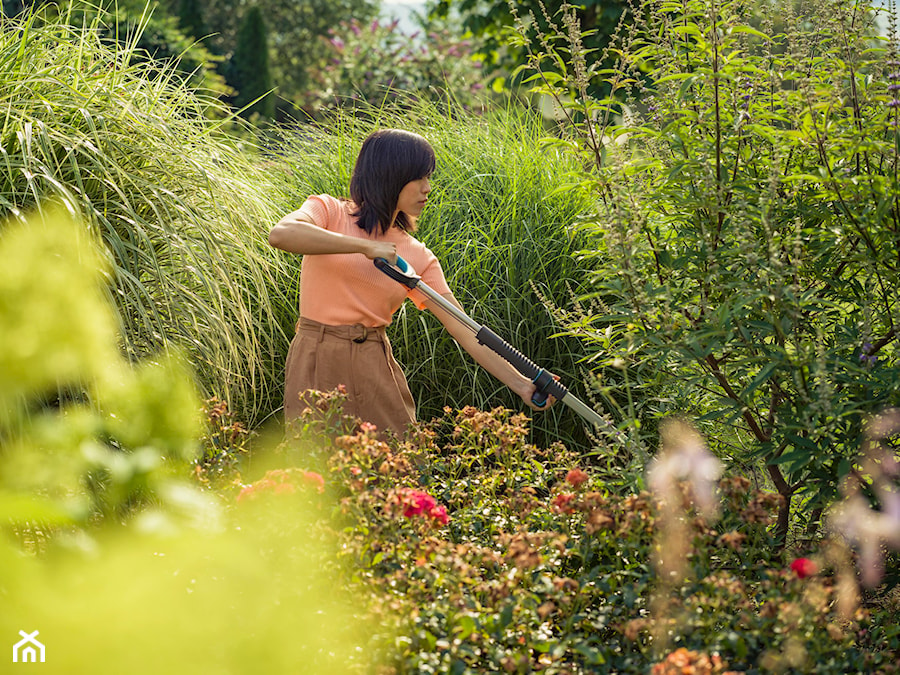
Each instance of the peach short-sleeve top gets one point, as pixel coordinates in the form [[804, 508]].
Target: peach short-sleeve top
[[346, 288]]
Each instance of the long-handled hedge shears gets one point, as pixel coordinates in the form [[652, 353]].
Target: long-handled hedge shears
[[545, 383]]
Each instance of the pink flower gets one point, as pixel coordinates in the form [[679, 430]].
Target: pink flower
[[418, 503], [315, 480], [576, 478], [439, 513], [804, 567]]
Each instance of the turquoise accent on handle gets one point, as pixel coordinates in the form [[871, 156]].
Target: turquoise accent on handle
[[401, 264]]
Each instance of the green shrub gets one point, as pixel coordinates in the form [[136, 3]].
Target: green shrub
[[744, 171], [111, 444], [108, 551], [372, 62]]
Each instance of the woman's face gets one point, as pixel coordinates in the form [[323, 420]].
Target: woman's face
[[413, 197]]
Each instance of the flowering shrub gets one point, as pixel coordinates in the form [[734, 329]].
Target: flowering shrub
[[224, 445], [479, 552], [683, 662], [369, 62], [323, 417]]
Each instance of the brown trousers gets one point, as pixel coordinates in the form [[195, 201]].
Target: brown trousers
[[322, 357]]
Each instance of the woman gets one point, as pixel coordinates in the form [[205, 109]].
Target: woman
[[346, 302]]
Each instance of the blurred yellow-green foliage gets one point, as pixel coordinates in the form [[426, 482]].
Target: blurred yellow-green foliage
[[56, 326], [85, 434], [251, 595], [106, 548]]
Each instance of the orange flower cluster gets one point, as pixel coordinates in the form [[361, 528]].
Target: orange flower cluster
[[686, 662], [576, 478], [567, 502]]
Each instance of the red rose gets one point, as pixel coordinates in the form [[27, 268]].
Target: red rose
[[804, 567]]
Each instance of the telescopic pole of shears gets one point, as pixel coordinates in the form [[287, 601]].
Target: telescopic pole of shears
[[544, 382]]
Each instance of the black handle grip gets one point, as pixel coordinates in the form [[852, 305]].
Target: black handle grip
[[542, 383], [545, 384], [409, 280]]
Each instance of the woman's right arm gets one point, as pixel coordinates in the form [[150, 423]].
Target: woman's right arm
[[295, 234]]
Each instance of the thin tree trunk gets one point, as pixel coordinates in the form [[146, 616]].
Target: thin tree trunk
[[784, 512]]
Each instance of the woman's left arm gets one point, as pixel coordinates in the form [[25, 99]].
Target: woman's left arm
[[488, 359]]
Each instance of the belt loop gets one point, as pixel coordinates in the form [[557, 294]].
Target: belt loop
[[321, 332]]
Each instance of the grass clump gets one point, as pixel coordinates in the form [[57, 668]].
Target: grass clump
[[182, 211]]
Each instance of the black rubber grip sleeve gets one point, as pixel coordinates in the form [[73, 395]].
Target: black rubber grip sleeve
[[407, 280], [543, 381]]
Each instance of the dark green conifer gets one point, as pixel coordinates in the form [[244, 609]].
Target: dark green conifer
[[249, 74], [190, 19]]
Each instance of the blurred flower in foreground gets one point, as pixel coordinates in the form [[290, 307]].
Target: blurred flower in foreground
[[684, 473], [683, 457], [867, 526], [283, 481], [804, 567]]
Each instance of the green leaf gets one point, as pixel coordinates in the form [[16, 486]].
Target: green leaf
[[801, 441], [466, 626], [760, 378], [794, 460], [750, 31], [506, 616]]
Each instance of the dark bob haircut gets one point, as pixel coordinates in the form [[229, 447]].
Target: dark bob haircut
[[387, 161]]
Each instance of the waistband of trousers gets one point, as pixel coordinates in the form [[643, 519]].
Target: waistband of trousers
[[356, 333]]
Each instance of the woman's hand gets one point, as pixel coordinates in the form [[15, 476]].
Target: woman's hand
[[529, 390], [381, 249]]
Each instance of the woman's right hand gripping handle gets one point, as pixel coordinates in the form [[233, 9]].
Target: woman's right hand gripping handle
[[382, 249]]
